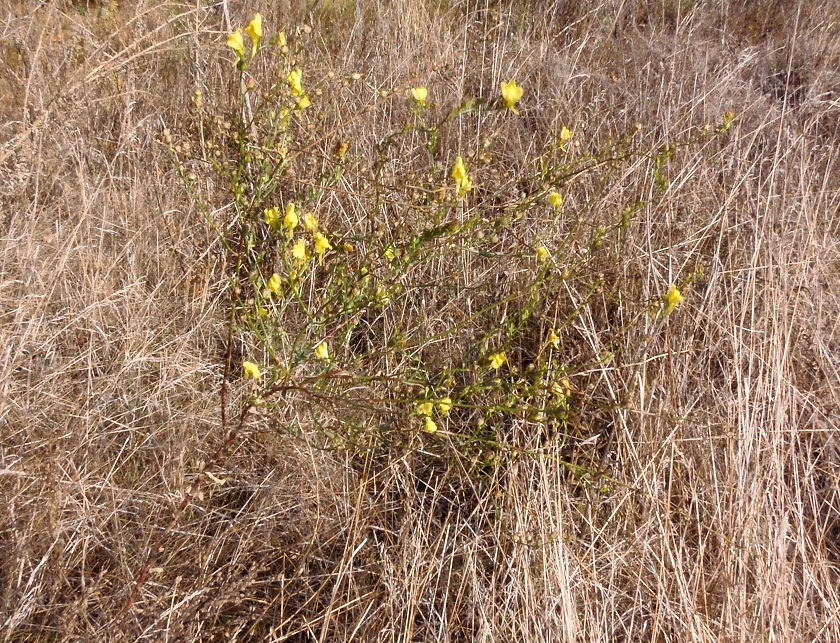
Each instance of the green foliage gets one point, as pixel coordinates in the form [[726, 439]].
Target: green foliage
[[374, 324]]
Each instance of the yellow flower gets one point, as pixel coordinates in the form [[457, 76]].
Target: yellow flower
[[236, 43], [281, 39], [322, 244], [272, 217], [430, 426], [254, 31], [444, 405], [263, 312], [511, 93], [565, 134], [542, 254], [556, 200], [463, 183], [553, 339], [294, 79], [251, 370], [425, 408], [290, 220], [299, 251], [390, 255], [310, 222], [322, 351], [303, 102], [420, 94], [672, 299], [274, 284], [497, 359]]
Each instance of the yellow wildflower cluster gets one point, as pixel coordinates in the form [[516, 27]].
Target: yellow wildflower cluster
[[426, 409], [254, 31], [300, 251], [237, 42], [322, 244]]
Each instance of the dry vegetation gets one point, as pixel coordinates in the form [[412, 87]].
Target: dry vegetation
[[684, 487]]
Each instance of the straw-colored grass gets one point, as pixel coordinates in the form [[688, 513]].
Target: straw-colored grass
[[685, 487]]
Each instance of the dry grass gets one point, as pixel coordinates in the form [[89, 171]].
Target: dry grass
[[694, 496]]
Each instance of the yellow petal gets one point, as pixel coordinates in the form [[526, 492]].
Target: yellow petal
[[236, 42], [294, 78], [463, 184], [420, 94], [272, 217], [290, 220], [299, 250], [254, 31], [459, 170], [497, 359], [444, 405], [556, 200], [425, 408], [542, 254], [310, 222], [274, 284], [430, 426], [251, 370], [672, 299], [565, 134], [511, 93], [322, 244], [322, 351]]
